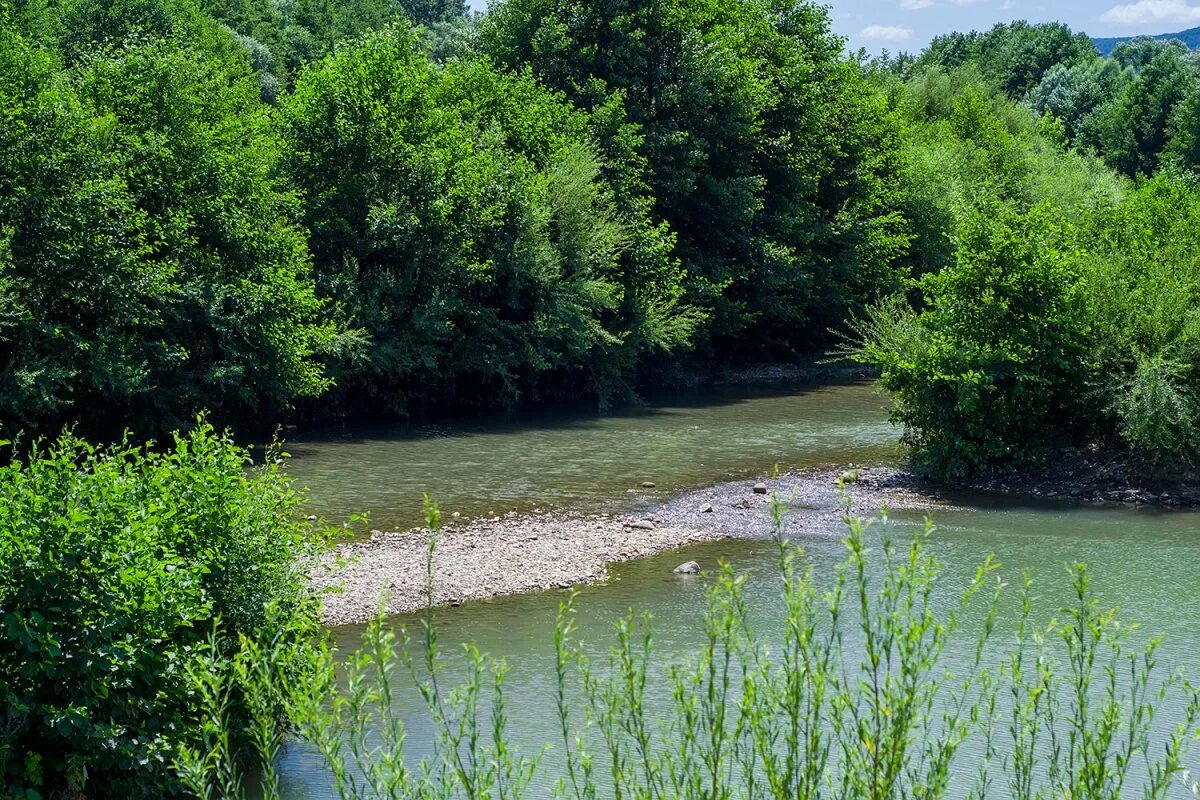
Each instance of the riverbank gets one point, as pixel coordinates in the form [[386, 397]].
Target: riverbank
[[1097, 477], [517, 553]]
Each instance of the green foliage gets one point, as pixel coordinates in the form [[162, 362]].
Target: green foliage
[[1013, 57], [967, 146], [1127, 108], [992, 372], [1130, 129], [1115, 368], [463, 217], [291, 34], [1183, 132], [117, 562], [850, 697], [768, 154], [1143, 289], [516, 214], [150, 264], [1072, 93]]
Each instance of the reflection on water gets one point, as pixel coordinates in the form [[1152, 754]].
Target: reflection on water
[[554, 458], [1141, 560]]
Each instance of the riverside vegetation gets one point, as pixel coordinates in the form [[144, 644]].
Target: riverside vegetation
[[259, 208]]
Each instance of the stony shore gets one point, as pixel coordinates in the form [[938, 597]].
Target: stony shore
[[1100, 478], [521, 553]]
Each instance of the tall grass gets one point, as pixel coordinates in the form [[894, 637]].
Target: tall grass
[[852, 697]]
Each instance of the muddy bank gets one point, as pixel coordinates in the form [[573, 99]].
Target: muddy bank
[[521, 553]]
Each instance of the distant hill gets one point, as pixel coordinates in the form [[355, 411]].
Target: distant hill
[[1190, 37]]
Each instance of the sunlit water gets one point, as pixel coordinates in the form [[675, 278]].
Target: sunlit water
[[556, 458], [1141, 560]]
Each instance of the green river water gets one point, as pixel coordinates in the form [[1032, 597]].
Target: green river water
[[1143, 561]]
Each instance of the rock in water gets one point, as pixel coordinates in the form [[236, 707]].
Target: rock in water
[[647, 484], [760, 488], [688, 568], [642, 524]]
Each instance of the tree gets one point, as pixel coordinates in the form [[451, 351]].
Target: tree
[[1183, 132], [150, 263], [1071, 93], [1130, 130], [768, 154], [1013, 56], [463, 218]]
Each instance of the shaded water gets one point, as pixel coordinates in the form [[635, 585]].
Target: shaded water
[[1143, 561]]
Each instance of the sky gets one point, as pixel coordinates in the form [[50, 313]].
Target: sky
[[909, 24]]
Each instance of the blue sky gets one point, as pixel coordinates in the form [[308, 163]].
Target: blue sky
[[910, 24]]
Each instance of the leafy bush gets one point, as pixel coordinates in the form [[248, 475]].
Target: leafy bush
[[1158, 415], [993, 371], [1143, 289], [849, 697], [117, 561]]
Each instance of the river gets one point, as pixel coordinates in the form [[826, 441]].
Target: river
[[1142, 560]]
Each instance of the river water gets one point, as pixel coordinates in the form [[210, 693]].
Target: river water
[[1143, 561]]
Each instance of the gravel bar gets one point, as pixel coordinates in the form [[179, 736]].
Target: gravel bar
[[531, 552]]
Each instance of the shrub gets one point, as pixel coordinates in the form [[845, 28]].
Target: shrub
[[993, 372], [116, 562], [1142, 288], [1157, 414]]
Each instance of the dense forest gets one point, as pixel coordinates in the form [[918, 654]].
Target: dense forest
[[271, 209], [263, 209], [254, 207]]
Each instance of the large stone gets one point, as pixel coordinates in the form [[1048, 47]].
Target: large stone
[[642, 524], [850, 476], [706, 508], [760, 488], [647, 484], [688, 568]]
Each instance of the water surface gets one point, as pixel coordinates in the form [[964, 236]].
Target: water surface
[[1143, 561], [556, 458]]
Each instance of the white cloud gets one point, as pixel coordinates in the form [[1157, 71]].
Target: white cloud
[[1145, 12], [885, 33], [915, 5]]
